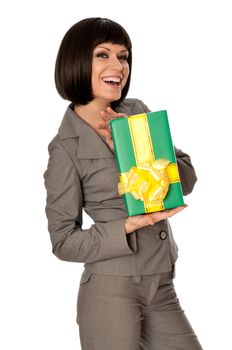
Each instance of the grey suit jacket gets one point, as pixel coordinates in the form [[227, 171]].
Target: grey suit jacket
[[82, 174]]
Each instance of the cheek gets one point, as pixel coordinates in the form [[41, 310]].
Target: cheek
[[95, 81], [126, 74], [95, 72], [127, 68]]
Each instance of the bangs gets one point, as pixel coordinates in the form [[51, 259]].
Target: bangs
[[110, 31]]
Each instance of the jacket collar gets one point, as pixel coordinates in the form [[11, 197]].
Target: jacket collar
[[90, 144]]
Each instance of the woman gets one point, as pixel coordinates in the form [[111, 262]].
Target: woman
[[126, 299]]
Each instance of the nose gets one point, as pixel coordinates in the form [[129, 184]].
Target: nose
[[115, 63]]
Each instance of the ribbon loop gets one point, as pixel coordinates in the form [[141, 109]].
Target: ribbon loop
[[148, 182]]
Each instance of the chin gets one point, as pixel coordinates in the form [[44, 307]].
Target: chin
[[114, 98]]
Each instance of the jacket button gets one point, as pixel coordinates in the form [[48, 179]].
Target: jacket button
[[163, 235]]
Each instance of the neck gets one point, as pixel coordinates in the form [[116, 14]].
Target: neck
[[91, 112]]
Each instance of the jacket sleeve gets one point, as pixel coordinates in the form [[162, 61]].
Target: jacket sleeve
[[64, 213], [187, 173]]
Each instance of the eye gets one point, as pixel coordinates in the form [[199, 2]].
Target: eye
[[123, 57], [102, 55]]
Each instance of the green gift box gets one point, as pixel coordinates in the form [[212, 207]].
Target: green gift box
[[146, 161]]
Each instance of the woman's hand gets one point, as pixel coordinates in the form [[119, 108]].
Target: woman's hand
[[135, 222], [103, 128]]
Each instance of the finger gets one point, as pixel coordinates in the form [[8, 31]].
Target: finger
[[180, 207], [119, 115], [108, 138], [110, 114], [162, 215], [106, 134], [100, 132], [171, 212], [105, 116], [101, 125], [108, 129], [110, 111], [177, 209], [114, 114]]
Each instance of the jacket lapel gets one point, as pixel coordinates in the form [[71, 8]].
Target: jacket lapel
[[90, 144]]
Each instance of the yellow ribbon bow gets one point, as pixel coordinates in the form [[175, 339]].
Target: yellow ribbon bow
[[148, 182]]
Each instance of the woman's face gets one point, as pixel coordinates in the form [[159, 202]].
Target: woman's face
[[110, 71]]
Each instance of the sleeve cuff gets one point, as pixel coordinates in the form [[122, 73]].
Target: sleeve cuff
[[117, 244]]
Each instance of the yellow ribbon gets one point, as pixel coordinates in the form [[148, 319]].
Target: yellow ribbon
[[147, 182]]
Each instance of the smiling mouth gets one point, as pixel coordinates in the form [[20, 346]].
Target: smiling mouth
[[113, 81]]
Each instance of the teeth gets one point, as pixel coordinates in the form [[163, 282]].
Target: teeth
[[114, 79]]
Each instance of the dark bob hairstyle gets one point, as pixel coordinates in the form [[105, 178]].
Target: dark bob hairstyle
[[73, 68]]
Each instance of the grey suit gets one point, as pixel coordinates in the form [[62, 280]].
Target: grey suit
[[82, 174]]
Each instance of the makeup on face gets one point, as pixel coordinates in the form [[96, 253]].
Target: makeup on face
[[110, 70]]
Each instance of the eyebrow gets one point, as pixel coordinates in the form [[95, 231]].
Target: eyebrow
[[106, 48]]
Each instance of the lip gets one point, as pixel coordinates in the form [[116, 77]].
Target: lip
[[120, 76], [113, 86], [114, 76], [117, 86]]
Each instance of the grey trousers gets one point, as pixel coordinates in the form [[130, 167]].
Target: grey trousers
[[132, 313]]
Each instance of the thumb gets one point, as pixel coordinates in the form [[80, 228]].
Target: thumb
[[108, 138], [109, 141]]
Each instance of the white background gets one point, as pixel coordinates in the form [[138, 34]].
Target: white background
[[182, 63]]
